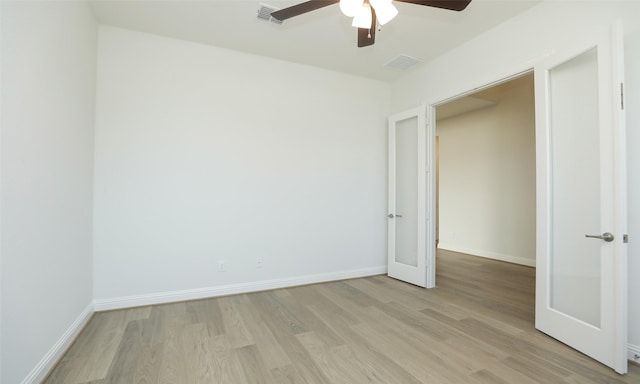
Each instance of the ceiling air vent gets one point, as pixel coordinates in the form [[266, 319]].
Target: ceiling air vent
[[264, 13], [402, 62]]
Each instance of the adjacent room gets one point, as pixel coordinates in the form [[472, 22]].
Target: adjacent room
[[486, 173], [192, 191]]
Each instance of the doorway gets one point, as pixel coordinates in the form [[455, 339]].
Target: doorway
[[485, 173]]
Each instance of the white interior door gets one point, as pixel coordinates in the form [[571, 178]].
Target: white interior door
[[409, 228], [581, 276]]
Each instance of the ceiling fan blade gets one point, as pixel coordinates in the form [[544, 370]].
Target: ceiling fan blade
[[453, 5], [301, 8], [367, 36]]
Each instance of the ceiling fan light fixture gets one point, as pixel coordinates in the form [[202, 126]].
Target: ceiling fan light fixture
[[363, 18], [385, 11], [350, 7], [367, 14]]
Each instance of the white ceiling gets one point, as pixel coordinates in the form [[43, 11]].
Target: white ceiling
[[322, 38]]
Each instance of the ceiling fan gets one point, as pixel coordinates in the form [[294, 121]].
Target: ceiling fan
[[366, 13]]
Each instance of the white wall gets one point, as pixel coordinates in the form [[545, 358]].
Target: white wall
[[515, 46], [488, 181], [206, 155], [48, 93]]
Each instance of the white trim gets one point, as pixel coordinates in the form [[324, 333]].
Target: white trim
[[429, 188], [230, 289], [40, 371], [489, 254], [1, 119], [633, 353], [621, 326]]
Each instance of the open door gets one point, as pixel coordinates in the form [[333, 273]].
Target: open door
[[581, 276], [409, 228]]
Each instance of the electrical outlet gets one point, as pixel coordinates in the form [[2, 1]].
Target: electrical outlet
[[259, 262], [222, 266]]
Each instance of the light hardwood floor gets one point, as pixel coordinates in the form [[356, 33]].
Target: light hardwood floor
[[475, 327]]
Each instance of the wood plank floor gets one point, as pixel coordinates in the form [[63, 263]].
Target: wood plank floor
[[475, 327]]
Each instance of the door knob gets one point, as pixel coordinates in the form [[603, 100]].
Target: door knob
[[391, 216], [608, 237]]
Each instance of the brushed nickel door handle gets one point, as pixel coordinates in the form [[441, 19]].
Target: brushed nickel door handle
[[607, 236]]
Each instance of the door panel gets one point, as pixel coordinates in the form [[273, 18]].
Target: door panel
[[407, 214], [406, 250], [575, 164], [581, 286]]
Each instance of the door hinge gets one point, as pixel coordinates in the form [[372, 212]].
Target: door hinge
[[625, 238], [622, 96]]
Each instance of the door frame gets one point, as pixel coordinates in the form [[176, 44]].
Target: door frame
[[432, 186]]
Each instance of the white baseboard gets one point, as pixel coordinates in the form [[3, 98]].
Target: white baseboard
[[56, 352], [489, 254], [231, 289], [633, 353]]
